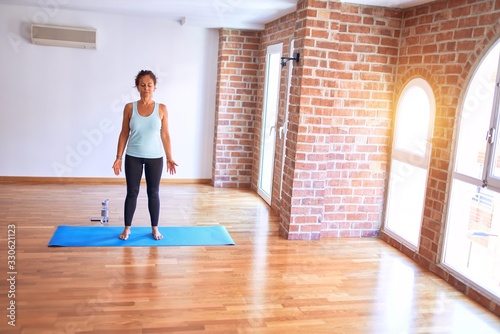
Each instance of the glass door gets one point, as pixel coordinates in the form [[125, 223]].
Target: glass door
[[410, 162], [269, 119]]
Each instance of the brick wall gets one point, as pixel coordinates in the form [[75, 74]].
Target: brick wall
[[355, 63], [443, 42], [339, 117], [236, 102], [339, 120], [363, 68]]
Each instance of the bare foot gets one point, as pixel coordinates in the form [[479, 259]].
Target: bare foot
[[156, 234], [125, 233]]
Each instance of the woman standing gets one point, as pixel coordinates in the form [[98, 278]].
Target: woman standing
[[145, 128]]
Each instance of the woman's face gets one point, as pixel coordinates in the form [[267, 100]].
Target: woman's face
[[146, 85]]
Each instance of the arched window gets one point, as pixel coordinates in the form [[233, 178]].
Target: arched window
[[472, 240], [410, 158]]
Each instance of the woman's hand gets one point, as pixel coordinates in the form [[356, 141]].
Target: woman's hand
[[171, 166], [117, 166]]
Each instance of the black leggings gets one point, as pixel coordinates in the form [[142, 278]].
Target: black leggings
[[133, 174]]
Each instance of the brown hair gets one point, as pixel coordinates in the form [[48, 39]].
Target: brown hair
[[144, 73]]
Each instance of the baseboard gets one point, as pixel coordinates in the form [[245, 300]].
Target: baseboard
[[90, 180]]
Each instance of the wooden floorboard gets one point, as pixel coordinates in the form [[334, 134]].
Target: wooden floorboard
[[264, 284]]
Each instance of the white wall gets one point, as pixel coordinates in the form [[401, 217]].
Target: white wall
[[61, 108]]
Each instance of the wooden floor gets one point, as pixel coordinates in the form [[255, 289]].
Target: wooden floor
[[264, 284]]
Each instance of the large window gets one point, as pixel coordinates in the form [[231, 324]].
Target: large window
[[410, 162], [472, 247]]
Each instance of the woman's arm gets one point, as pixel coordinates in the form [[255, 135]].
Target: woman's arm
[[165, 139], [123, 138]]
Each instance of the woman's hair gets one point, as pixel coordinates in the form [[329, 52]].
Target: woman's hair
[[144, 73]]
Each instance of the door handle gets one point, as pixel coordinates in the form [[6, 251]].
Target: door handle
[[271, 129], [282, 131], [489, 135]]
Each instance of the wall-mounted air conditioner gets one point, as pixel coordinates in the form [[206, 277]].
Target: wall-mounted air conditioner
[[63, 36]]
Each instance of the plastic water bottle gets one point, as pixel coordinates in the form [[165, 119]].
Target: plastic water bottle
[[104, 212]]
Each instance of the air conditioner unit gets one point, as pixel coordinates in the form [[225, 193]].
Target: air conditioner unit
[[63, 36]]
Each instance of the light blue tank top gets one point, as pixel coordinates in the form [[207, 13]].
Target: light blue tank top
[[145, 135]]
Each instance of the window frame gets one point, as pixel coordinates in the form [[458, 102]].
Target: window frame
[[410, 158], [489, 180], [484, 182]]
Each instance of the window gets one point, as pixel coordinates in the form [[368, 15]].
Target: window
[[472, 246], [410, 162]]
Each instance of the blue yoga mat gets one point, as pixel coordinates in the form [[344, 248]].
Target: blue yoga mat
[[103, 236]]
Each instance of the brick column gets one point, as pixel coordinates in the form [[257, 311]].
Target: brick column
[[340, 120], [236, 101], [308, 129]]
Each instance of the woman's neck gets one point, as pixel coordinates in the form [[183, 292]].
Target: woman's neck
[[146, 102]]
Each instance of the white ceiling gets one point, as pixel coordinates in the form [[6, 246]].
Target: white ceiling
[[241, 14]]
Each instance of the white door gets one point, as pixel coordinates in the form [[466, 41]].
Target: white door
[[269, 119]]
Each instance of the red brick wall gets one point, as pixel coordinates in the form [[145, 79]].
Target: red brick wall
[[236, 102], [443, 43], [364, 68], [355, 63], [339, 118], [341, 99], [305, 175]]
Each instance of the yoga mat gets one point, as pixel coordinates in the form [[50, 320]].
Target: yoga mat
[[103, 236]]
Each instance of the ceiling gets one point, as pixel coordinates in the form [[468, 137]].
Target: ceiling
[[240, 14]]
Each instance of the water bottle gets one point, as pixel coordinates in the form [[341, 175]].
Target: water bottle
[[104, 211]]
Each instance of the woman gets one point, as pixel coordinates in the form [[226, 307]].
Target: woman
[[145, 128]]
